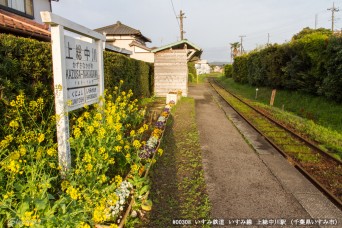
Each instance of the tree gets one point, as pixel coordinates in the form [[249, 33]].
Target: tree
[[234, 49], [306, 31]]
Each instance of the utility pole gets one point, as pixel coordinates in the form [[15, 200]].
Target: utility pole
[[316, 20], [268, 39], [241, 47], [181, 17], [333, 10]]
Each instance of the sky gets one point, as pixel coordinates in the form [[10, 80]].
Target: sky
[[210, 24]]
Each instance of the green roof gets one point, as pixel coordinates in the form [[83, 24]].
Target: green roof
[[178, 43]]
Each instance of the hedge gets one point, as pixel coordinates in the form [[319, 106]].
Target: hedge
[[192, 75], [26, 67], [228, 71], [311, 63]]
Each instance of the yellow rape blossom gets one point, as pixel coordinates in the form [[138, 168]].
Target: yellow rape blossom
[[40, 101], [86, 115], [73, 193], [160, 152], [51, 152], [111, 161], [105, 156], [65, 185], [136, 144], [90, 129], [13, 166], [141, 130], [8, 195], [83, 225], [127, 147], [99, 214], [86, 158], [96, 124], [102, 178], [14, 124], [28, 219], [101, 133], [20, 100], [112, 199], [98, 116], [118, 180], [134, 167], [89, 167], [77, 132], [118, 148], [22, 150], [102, 150], [41, 137]]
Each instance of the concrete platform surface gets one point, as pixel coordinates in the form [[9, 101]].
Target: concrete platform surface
[[246, 177]]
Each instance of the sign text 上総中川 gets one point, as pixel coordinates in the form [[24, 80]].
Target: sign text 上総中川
[[81, 72]]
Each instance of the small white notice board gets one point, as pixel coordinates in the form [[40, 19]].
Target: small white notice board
[[78, 74]]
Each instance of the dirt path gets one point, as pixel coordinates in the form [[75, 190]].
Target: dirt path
[[239, 184]]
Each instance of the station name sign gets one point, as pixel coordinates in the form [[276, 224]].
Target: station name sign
[[77, 73], [81, 72]]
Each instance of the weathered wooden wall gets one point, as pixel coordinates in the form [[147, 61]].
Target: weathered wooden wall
[[171, 72]]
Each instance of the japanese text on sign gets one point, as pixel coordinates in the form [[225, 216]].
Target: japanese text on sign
[[81, 72]]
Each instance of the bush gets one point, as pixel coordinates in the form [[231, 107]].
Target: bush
[[228, 71], [138, 75], [240, 69], [310, 63], [192, 73], [332, 82], [26, 68]]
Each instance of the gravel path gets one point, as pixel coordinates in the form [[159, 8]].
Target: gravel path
[[240, 183]]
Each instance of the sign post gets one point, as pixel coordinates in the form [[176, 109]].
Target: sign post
[[273, 96], [78, 75]]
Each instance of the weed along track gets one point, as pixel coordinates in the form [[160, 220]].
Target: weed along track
[[319, 167]]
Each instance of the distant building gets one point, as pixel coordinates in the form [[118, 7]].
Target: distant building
[[218, 69], [22, 18], [131, 39], [202, 67]]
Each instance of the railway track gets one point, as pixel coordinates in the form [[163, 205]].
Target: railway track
[[321, 168]]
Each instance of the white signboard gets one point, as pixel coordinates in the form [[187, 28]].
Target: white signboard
[[78, 75], [82, 72]]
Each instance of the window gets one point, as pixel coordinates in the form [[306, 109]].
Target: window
[[23, 6]]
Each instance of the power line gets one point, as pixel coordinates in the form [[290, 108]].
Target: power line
[[241, 47], [333, 10], [174, 11]]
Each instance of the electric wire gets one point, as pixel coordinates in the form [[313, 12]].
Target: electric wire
[[174, 11]]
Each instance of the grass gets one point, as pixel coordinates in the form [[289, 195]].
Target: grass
[[325, 129], [178, 186], [324, 171], [202, 77], [318, 109]]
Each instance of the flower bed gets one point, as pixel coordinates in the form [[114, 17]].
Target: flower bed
[[105, 144], [137, 177]]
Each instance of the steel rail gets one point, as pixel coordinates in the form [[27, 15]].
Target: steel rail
[[312, 179], [306, 141]]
